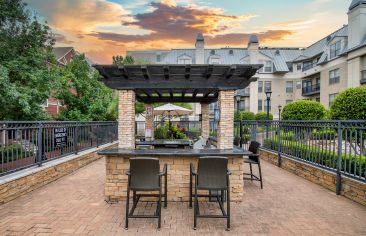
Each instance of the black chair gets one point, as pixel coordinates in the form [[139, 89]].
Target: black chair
[[254, 159], [145, 176], [212, 175]]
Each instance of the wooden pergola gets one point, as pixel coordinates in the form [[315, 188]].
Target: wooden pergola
[[177, 83]]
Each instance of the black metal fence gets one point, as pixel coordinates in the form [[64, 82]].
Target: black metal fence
[[26, 144], [338, 146]]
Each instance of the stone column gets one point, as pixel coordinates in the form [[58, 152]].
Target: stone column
[[205, 129], [126, 119], [225, 132], [149, 124]]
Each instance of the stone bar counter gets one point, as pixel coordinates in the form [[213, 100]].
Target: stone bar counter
[[178, 161]]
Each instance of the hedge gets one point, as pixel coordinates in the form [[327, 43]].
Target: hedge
[[303, 110], [263, 116], [320, 156], [350, 105]]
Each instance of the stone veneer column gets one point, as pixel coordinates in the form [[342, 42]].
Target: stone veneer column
[[205, 129], [126, 119], [225, 132], [149, 124]]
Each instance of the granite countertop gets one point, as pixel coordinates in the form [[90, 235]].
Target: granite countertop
[[175, 152], [164, 142]]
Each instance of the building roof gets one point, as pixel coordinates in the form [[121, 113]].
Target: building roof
[[61, 51], [356, 3]]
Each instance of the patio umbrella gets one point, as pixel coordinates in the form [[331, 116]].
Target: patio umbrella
[[171, 110]]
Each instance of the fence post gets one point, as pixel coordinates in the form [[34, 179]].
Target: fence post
[[40, 144], [75, 140], [279, 162], [339, 160], [97, 135], [241, 133]]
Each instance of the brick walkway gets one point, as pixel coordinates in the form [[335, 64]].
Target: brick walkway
[[288, 205]]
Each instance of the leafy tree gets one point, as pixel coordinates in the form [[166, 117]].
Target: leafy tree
[[84, 96], [117, 60], [303, 110], [26, 63], [350, 105], [263, 116]]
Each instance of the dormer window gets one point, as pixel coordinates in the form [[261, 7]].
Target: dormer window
[[184, 59], [267, 66], [231, 52], [335, 49], [212, 52], [158, 58]]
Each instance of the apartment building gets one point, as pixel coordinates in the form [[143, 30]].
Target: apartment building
[[317, 72]]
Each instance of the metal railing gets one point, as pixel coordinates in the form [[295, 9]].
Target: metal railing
[[337, 146], [309, 90], [26, 144]]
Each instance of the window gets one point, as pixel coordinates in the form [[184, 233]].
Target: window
[[260, 86], [184, 61], [299, 66], [260, 105], [212, 52], [268, 86], [288, 101], [298, 85], [335, 49], [214, 60], [231, 52], [331, 98], [334, 76], [158, 58], [45, 103], [267, 66], [289, 86]]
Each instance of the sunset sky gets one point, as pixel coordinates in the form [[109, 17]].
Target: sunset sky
[[103, 28]]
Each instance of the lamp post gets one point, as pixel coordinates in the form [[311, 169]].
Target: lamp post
[[268, 96], [238, 99], [279, 112]]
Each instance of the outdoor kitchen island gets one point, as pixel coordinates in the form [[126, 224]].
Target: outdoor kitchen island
[[151, 84]]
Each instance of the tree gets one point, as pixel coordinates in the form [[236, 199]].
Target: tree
[[303, 110], [85, 98], [263, 116], [350, 105], [26, 63]]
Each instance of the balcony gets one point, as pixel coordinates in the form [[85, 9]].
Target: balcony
[[363, 77], [311, 90]]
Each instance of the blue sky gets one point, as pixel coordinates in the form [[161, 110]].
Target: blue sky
[[102, 28]]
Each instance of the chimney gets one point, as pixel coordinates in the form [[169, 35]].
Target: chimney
[[356, 23], [200, 49], [253, 49]]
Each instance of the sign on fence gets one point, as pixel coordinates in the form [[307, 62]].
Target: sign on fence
[[60, 137]]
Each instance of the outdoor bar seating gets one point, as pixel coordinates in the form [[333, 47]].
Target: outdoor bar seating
[[145, 176], [202, 84], [254, 159], [212, 175]]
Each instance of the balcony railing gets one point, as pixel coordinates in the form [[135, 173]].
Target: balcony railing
[[363, 77], [311, 90], [26, 144]]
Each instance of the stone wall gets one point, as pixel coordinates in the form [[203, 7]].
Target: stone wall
[[352, 189], [225, 131], [205, 129], [126, 119], [178, 177], [27, 180], [149, 121]]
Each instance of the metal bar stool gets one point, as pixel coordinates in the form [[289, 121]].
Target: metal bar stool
[[212, 175], [145, 176], [254, 159]]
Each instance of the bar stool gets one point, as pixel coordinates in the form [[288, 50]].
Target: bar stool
[[254, 159], [212, 175], [145, 176]]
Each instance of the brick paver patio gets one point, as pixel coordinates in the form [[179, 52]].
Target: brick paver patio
[[288, 205]]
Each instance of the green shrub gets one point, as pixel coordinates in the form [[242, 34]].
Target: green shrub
[[320, 156], [325, 134], [13, 152], [162, 132], [247, 115], [350, 105], [263, 116], [304, 110], [289, 135], [193, 133]]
